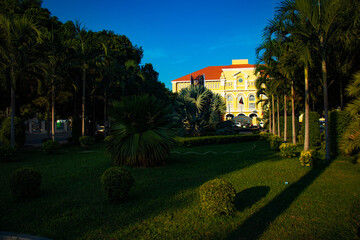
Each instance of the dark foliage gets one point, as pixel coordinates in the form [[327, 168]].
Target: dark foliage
[[117, 183]]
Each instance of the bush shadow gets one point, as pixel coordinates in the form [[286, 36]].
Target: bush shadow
[[248, 197], [256, 224]]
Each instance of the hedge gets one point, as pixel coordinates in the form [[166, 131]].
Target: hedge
[[338, 122], [209, 140], [314, 129]]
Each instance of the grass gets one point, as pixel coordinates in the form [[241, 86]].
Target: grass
[[315, 204]]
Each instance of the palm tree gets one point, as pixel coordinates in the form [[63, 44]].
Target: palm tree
[[197, 107], [142, 132], [18, 36], [85, 40], [350, 142], [323, 17]]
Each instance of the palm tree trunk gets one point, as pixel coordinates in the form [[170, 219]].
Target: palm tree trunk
[[341, 93], [285, 119], [293, 112], [278, 114], [326, 101], [307, 108], [273, 114], [53, 112], [83, 102], [12, 119]]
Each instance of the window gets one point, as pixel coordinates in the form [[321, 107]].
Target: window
[[230, 98], [251, 98], [252, 106]]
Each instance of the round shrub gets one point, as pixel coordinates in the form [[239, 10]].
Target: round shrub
[[117, 183], [25, 183], [275, 142], [50, 146], [288, 150], [218, 197], [7, 153], [86, 141], [311, 158], [19, 132]]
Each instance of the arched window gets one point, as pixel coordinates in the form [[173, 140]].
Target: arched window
[[230, 102], [252, 102]]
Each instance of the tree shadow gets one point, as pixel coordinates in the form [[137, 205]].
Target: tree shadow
[[255, 225], [248, 197]]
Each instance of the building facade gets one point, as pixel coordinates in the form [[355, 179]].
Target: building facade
[[235, 83]]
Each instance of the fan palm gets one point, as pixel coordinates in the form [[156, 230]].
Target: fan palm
[[141, 131], [198, 107]]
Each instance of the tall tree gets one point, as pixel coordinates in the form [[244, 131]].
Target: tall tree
[[323, 17], [18, 37]]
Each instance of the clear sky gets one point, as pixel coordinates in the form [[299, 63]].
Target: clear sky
[[178, 37]]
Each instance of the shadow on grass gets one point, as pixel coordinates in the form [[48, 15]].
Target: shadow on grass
[[256, 224], [248, 197]]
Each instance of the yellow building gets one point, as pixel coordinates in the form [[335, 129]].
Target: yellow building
[[236, 83]]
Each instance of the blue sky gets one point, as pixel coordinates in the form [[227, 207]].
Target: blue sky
[[178, 37]]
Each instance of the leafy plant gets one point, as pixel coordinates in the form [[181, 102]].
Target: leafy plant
[[310, 158], [265, 135], [86, 141], [288, 150], [218, 197], [50, 146], [25, 183], [275, 142], [198, 109], [7, 153], [350, 142], [117, 183], [19, 132], [142, 133]]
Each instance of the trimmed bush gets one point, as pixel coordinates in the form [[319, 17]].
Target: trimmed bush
[[275, 142], [314, 129], [338, 123], [217, 197], [86, 141], [265, 136], [310, 158], [209, 140], [7, 153], [19, 132], [25, 183], [50, 146], [288, 150], [117, 183]]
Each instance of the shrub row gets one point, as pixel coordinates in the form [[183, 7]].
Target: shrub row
[[209, 140], [288, 150]]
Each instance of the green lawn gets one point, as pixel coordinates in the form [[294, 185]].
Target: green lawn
[[315, 204]]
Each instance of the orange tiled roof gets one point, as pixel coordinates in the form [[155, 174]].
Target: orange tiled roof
[[211, 73]]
